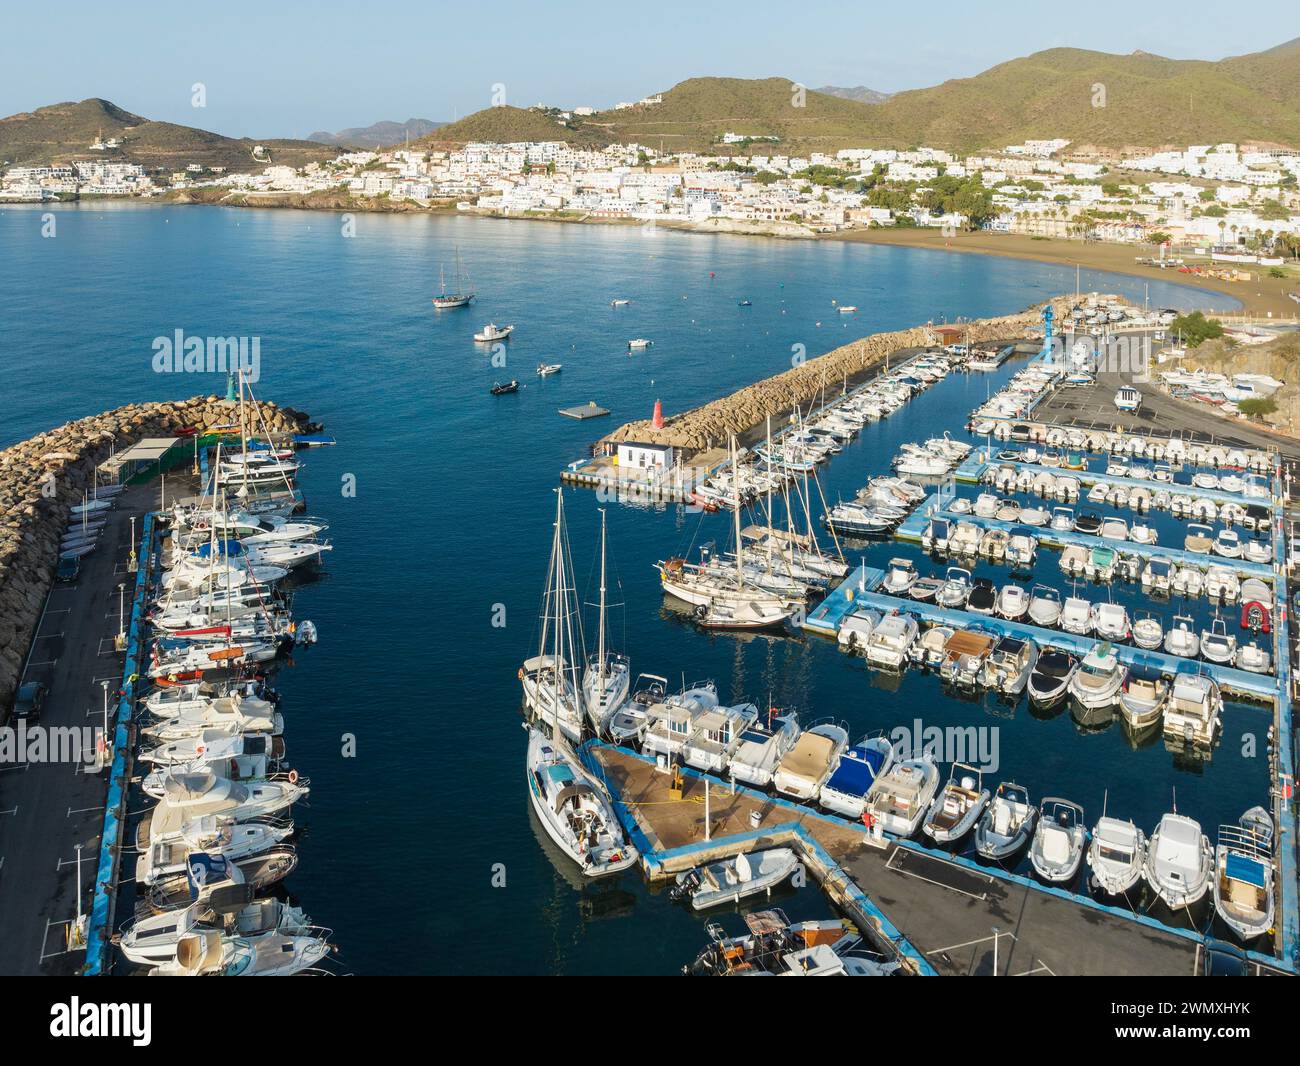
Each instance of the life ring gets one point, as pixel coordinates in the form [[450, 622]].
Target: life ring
[[293, 777]]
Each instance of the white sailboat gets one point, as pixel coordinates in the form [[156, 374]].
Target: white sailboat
[[553, 692], [609, 675], [462, 297]]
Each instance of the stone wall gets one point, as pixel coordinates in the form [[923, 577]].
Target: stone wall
[[42, 478], [713, 423]]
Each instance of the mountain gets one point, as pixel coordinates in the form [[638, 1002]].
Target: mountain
[[378, 135], [860, 93], [63, 132], [1090, 98]]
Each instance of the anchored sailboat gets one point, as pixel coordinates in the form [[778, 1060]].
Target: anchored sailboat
[[460, 297], [609, 674]]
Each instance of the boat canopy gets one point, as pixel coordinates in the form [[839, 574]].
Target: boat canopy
[[1243, 868], [857, 771]]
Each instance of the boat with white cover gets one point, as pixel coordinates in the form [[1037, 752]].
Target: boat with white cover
[[1059, 840], [1179, 861], [1116, 856], [761, 749], [734, 879], [812, 759], [1007, 824]]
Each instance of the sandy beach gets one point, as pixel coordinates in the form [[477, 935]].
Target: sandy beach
[[1261, 296]]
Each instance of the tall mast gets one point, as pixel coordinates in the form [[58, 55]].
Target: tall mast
[[600, 644], [771, 521], [735, 493]]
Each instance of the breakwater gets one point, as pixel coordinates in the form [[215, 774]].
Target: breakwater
[[711, 424], [42, 478]]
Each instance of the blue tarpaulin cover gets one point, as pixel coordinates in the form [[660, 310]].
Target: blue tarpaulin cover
[[856, 772], [1245, 869]]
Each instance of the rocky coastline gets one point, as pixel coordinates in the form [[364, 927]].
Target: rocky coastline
[[42, 478]]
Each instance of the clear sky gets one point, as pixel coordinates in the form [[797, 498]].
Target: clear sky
[[287, 69]]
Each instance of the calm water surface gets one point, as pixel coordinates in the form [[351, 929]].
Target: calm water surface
[[452, 511]]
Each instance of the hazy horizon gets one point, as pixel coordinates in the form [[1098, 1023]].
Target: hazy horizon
[[289, 74]]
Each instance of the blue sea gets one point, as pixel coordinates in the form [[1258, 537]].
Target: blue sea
[[405, 846]]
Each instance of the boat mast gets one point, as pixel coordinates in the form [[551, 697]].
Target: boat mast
[[735, 499], [600, 640]]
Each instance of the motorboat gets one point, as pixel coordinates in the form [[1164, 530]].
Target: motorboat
[[956, 589], [845, 792], [889, 642], [1243, 877], [188, 796], [958, 805], [1050, 678], [1076, 616], [1007, 824], [935, 536], [545, 370], [1179, 861], [1194, 709], [1181, 638], [1008, 666], [1110, 621], [993, 544], [1148, 632], [1012, 603], [1102, 564], [1222, 584], [1033, 516], [210, 952], [1116, 856], [734, 879], [899, 799], [492, 332], [900, 577], [670, 723], [1199, 539], [774, 946], [1063, 519], [760, 749], [1088, 522], [929, 649], [166, 857], [716, 734], [1250, 656], [1021, 550], [856, 629], [1228, 544], [153, 939], [1074, 560], [1044, 606], [1157, 574], [964, 656], [1217, 644], [1059, 840], [926, 589], [1142, 701], [501, 388], [983, 596], [574, 809], [1187, 581], [1097, 682], [806, 766], [628, 723]]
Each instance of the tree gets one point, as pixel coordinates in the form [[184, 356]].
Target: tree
[[1266, 405], [1195, 328]]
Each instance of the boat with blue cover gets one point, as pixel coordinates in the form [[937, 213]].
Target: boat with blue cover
[[846, 791]]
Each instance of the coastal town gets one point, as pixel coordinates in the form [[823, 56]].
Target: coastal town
[[1232, 202]]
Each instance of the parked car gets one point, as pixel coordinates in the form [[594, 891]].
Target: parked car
[[28, 702], [1221, 959], [69, 569]]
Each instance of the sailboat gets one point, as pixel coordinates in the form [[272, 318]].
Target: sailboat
[[553, 692], [462, 297], [609, 674]]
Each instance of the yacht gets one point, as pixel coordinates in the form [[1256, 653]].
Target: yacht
[[1116, 856], [153, 939], [845, 792], [573, 808], [1193, 712], [898, 800], [209, 952], [1007, 824], [1059, 840], [165, 859], [958, 805], [1050, 679], [761, 748], [1096, 684], [189, 796], [608, 676], [807, 765], [1179, 861]]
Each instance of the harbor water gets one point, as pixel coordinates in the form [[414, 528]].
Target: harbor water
[[419, 848]]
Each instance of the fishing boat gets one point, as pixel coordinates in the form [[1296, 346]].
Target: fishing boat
[[958, 806], [1050, 679], [1179, 861], [1007, 824], [814, 756], [761, 748], [731, 880], [845, 792], [1243, 883], [1059, 840], [492, 332], [502, 388], [1142, 701], [1097, 682], [573, 808], [1193, 712], [545, 370], [462, 297], [1044, 606], [1116, 856], [553, 691], [1008, 666], [898, 800]]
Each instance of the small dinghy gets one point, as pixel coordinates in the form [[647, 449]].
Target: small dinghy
[[1059, 841], [1147, 632], [1051, 676], [925, 589], [1179, 860], [1007, 824], [731, 880], [958, 807], [501, 388], [1142, 702], [1116, 856], [1243, 876]]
